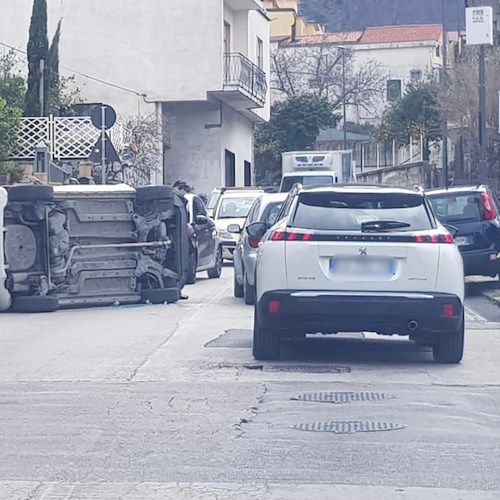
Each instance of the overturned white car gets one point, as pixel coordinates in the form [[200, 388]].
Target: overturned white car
[[87, 245]]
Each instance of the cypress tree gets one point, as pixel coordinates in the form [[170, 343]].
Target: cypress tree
[[38, 50], [53, 95]]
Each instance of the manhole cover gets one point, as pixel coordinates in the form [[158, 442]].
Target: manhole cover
[[308, 369], [342, 397], [348, 427]]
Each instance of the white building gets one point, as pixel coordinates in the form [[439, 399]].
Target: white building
[[403, 53], [201, 65]]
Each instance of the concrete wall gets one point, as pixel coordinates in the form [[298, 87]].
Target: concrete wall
[[197, 142], [169, 50], [403, 176]]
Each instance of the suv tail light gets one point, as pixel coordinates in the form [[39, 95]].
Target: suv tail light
[[290, 236], [434, 238], [489, 209]]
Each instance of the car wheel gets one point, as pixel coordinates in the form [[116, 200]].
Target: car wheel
[[237, 288], [266, 342], [160, 295], [34, 303], [154, 193], [248, 291], [193, 264], [31, 192], [449, 347], [216, 271]]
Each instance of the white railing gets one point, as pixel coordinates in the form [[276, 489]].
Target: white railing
[[68, 138]]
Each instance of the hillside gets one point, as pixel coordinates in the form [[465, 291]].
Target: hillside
[[351, 15]]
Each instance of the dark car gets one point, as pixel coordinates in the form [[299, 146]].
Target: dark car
[[207, 248], [475, 212]]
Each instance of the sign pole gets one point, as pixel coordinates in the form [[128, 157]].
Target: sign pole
[[103, 143], [483, 164]]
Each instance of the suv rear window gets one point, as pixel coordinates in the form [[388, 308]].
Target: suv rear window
[[454, 207], [335, 211]]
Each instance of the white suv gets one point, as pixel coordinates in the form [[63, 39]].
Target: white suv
[[355, 258], [4, 293]]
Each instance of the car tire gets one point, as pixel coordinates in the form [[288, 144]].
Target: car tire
[[34, 304], [248, 291], [237, 288], [449, 347], [266, 342], [160, 295], [154, 193], [31, 192], [191, 272], [216, 271]]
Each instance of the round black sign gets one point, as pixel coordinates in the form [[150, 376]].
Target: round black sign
[[104, 114]]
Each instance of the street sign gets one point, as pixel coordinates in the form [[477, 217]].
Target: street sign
[[479, 25], [103, 117], [110, 154]]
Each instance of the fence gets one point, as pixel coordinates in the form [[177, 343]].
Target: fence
[[68, 138]]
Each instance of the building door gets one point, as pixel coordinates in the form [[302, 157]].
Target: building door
[[248, 173], [230, 162]]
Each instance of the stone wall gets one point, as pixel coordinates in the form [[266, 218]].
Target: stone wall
[[403, 176]]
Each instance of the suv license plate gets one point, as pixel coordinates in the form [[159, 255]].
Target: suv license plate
[[463, 241], [362, 267]]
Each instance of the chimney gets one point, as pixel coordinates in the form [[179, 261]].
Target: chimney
[[293, 37]]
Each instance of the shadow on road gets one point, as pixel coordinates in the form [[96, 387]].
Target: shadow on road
[[346, 350]]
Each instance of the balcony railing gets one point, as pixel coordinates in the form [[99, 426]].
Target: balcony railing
[[239, 71]]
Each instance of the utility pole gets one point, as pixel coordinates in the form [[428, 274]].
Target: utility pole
[[483, 163], [41, 90], [344, 106], [444, 88]]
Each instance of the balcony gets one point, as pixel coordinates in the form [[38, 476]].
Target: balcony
[[245, 84]]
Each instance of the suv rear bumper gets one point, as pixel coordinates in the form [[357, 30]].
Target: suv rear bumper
[[385, 313]]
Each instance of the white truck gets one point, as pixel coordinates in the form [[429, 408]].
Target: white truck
[[316, 168]]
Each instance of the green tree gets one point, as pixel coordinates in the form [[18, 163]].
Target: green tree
[[416, 114], [38, 50], [12, 84], [54, 81], [9, 123], [294, 125]]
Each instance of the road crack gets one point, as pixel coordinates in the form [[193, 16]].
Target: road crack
[[131, 377], [254, 410]]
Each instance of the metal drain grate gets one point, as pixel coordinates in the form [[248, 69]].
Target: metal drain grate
[[342, 397], [307, 369], [348, 427]]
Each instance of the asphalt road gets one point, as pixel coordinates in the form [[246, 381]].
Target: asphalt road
[[151, 402]]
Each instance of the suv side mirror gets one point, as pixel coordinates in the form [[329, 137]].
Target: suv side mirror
[[201, 219], [234, 229], [452, 230], [257, 229]]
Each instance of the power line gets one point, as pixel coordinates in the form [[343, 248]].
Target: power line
[[84, 75]]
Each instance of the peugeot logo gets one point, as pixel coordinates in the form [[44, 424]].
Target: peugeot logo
[[363, 251]]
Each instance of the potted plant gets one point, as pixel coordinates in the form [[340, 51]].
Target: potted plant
[[10, 173]]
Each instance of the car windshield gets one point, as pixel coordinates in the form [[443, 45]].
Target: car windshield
[[463, 207], [361, 211], [214, 198], [270, 212], [235, 208], [307, 180]]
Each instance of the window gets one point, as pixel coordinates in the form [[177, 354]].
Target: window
[[235, 208], [416, 75], [248, 173], [254, 212], [260, 53], [227, 38], [393, 90], [230, 167], [307, 181], [270, 213], [348, 211], [438, 50], [455, 208]]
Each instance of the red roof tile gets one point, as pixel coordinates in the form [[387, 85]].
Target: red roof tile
[[401, 34]]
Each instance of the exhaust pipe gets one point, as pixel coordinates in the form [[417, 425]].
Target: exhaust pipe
[[412, 326]]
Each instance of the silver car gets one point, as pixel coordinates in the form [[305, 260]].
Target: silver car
[[265, 209]]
